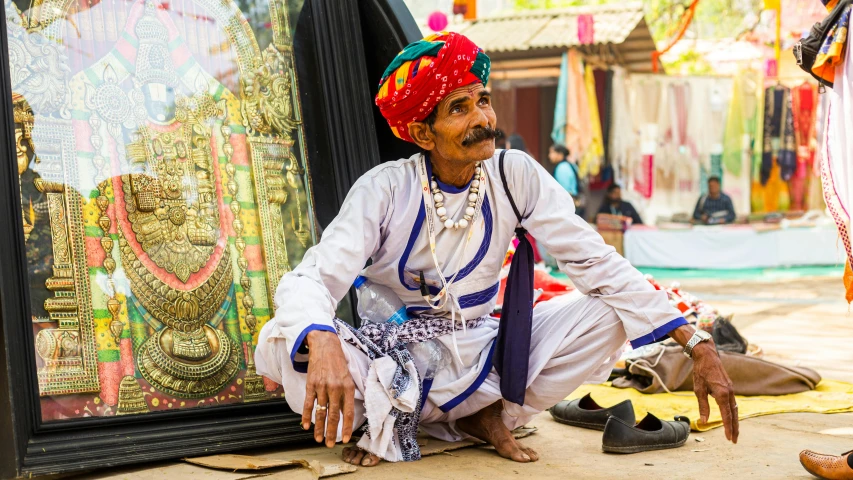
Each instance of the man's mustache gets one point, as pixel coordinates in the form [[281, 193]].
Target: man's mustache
[[478, 135]]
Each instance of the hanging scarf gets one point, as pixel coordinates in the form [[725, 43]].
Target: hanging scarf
[[512, 350], [778, 133], [590, 163]]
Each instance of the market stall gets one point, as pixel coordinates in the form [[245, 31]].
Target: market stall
[[732, 246]]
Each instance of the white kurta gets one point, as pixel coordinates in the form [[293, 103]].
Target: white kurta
[[383, 219]]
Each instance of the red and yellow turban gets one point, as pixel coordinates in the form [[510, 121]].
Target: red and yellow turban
[[425, 72]]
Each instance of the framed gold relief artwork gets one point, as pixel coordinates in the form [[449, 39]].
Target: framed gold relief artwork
[[164, 192], [168, 162]]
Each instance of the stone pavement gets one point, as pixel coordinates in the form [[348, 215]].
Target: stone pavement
[[797, 321]]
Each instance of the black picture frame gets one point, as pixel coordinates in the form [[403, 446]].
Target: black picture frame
[[341, 44]]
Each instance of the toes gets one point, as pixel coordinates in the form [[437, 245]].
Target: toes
[[370, 460], [520, 456], [531, 453], [348, 454]]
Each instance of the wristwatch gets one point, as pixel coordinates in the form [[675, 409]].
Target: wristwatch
[[697, 338]]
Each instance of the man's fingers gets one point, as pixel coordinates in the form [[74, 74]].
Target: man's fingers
[[320, 416], [308, 406], [724, 402], [335, 396], [349, 412], [704, 407], [735, 419]]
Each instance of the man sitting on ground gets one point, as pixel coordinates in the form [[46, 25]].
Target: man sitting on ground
[[436, 228]]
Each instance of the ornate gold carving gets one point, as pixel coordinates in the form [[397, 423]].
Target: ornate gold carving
[[267, 103], [68, 351], [188, 379], [268, 113], [252, 380], [38, 66], [131, 400]]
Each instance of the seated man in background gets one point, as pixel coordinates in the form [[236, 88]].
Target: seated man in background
[[716, 207], [614, 205]]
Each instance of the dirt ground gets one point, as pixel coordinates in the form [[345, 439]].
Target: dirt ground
[[796, 321]]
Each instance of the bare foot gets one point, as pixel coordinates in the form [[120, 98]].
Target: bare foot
[[488, 426], [359, 457]]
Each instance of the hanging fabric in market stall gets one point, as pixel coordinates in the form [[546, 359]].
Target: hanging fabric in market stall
[[815, 196], [714, 103], [591, 158], [740, 136], [558, 133], [778, 133], [804, 102], [622, 143], [578, 134], [778, 157], [647, 110]]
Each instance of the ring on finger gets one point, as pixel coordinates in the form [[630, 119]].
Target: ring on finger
[[321, 408]]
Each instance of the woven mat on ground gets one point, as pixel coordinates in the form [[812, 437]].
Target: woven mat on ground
[[829, 397]]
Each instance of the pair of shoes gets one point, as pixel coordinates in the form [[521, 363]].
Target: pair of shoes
[[621, 435], [827, 467]]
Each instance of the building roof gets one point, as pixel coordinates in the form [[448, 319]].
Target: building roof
[[542, 32], [551, 28]]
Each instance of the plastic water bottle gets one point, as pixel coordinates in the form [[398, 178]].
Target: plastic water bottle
[[433, 354], [378, 303]]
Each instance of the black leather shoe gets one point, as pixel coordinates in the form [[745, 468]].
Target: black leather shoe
[[650, 434], [585, 413]]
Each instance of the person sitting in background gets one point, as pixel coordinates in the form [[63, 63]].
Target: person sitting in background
[[566, 173], [614, 205], [716, 207], [516, 142]]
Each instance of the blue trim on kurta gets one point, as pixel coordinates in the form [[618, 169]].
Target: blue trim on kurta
[[454, 402], [426, 387], [467, 269], [479, 298], [302, 367], [416, 229], [659, 333]]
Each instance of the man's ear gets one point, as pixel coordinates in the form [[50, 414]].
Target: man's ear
[[423, 136]]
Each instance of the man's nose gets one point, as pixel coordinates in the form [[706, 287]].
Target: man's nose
[[480, 119]]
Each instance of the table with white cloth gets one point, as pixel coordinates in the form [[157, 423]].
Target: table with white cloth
[[732, 246]]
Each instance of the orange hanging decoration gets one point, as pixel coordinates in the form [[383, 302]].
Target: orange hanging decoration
[[686, 19], [848, 282]]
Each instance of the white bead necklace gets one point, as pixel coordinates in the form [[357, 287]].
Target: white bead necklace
[[441, 211]]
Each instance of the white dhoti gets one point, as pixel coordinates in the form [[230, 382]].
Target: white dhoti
[[575, 339]]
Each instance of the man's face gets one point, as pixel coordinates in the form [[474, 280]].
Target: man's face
[[464, 129], [615, 195], [714, 188], [555, 156]]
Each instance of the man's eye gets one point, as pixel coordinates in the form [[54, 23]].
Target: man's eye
[[456, 110], [484, 101]]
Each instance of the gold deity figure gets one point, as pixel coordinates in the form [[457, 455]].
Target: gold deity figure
[[173, 208]]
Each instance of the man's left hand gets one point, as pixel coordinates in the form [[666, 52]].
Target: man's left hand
[[709, 377]]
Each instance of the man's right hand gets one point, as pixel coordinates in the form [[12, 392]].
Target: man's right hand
[[330, 384]]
